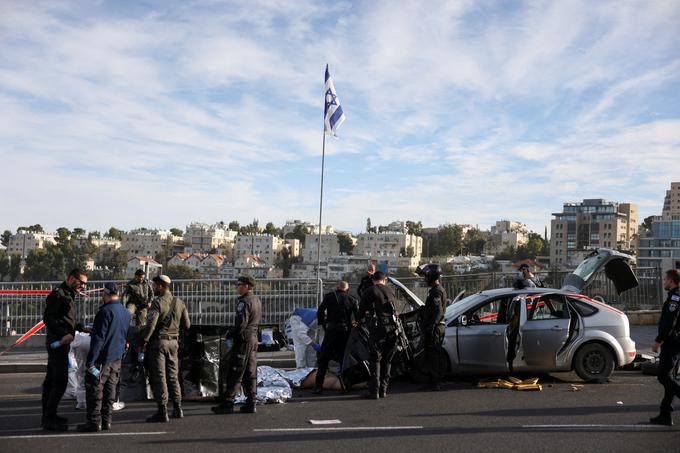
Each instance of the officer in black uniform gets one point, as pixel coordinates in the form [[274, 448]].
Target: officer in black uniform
[[60, 322], [433, 323], [243, 357], [337, 314], [367, 280], [377, 309], [668, 341]]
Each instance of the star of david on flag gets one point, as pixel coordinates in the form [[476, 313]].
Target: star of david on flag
[[333, 115]]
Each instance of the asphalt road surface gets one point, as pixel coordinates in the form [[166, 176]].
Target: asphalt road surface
[[603, 418]]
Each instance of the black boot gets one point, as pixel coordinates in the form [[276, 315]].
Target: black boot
[[177, 411], [370, 396], [317, 390], [159, 417], [383, 392], [106, 425], [226, 407], [664, 418], [89, 428], [249, 407]]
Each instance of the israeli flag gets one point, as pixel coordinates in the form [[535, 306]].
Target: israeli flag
[[333, 115]]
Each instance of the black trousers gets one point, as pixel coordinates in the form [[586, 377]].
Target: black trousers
[[382, 347], [433, 355], [101, 392], [332, 348], [668, 361], [56, 379], [243, 370]]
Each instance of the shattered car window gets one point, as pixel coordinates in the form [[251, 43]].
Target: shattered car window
[[587, 268], [403, 302]]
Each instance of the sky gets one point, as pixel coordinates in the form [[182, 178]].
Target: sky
[[160, 113]]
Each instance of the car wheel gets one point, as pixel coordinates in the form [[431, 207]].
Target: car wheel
[[594, 362]]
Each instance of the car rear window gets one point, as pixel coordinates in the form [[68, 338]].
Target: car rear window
[[583, 308]]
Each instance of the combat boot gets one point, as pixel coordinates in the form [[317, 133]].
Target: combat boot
[[106, 425], [159, 417], [249, 407], [177, 411], [223, 408], [89, 428], [382, 393], [664, 418]]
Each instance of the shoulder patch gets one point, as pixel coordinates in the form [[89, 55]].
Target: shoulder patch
[[672, 307], [675, 297], [240, 307]]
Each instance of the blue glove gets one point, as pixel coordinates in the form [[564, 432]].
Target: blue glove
[[230, 343], [140, 357], [317, 347], [94, 371], [55, 344]]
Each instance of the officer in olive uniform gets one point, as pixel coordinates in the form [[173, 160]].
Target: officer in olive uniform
[[243, 357], [377, 309], [168, 314], [433, 323], [59, 318], [337, 314], [137, 297], [668, 341]]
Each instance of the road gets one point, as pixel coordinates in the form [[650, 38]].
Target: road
[[606, 417]]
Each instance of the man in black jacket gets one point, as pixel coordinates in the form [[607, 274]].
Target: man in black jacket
[[337, 314], [433, 323], [377, 309], [366, 281], [59, 318], [668, 341], [243, 356]]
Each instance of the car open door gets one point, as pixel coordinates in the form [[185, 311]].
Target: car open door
[[616, 266], [482, 338], [546, 329]]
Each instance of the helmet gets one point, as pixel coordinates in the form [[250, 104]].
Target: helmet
[[429, 272]]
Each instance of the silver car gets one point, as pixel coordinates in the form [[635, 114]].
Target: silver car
[[538, 329]]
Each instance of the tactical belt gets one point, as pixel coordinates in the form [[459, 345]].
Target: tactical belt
[[168, 337]]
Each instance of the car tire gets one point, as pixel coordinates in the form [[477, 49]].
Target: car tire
[[594, 362]]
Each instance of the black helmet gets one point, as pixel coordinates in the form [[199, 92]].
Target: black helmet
[[430, 272]]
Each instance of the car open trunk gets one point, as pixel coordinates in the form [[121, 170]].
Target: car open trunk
[[616, 266]]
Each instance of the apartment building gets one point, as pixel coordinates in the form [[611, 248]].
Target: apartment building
[[143, 242], [330, 246], [660, 247], [264, 246], [204, 238], [23, 242], [506, 234], [389, 245]]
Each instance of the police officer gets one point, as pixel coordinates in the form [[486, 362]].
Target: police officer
[[526, 279], [59, 318], [377, 309], [433, 323], [137, 297], [107, 346], [243, 359], [367, 280], [337, 314], [168, 314], [668, 340]]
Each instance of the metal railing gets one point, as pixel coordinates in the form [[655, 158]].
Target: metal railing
[[212, 302]]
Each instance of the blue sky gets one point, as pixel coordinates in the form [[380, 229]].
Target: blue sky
[[159, 113]]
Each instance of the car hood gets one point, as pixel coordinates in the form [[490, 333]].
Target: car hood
[[616, 266]]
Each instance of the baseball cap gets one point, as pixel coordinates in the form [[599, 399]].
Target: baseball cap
[[110, 288]]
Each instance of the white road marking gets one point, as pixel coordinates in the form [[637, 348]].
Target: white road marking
[[99, 434], [344, 428], [591, 426]]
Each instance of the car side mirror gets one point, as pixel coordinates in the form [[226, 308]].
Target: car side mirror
[[463, 320]]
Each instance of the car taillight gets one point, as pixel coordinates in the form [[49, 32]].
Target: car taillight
[[631, 354]]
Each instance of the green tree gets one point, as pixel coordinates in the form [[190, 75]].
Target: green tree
[[37, 228], [166, 252], [300, 232], [473, 242], [15, 268], [414, 227], [234, 225], [647, 222], [269, 228], [346, 243], [5, 237], [182, 273], [63, 235], [78, 232], [176, 232], [4, 265], [94, 235], [115, 233], [449, 240], [369, 226]]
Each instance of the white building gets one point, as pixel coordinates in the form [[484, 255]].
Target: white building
[[151, 267], [506, 234], [339, 267], [294, 246], [106, 246], [312, 228], [264, 246], [254, 266], [204, 238], [24, 241], [209, 265], [389, 245], [143, 242], [330, 246]]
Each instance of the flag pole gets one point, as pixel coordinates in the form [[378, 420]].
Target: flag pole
[[319, 287]]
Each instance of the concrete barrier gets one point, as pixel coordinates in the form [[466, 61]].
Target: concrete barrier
[[644, 317]]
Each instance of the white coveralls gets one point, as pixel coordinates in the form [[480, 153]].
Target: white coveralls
[[80, 347], [304, 332]]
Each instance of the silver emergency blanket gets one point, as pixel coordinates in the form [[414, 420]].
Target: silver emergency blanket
[[274, 386]]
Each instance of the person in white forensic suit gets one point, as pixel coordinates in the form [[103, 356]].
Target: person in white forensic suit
[[305, 333]]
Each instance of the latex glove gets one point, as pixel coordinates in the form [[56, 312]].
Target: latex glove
[[316, 347], [55, 344], [230, 343], [140, 357], [94, 371]]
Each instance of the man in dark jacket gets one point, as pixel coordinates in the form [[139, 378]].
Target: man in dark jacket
[[107, 346], [367, 280], [433, 323], [377, 309], [668, 341], [337, 314], [243, 356], [59, 318]]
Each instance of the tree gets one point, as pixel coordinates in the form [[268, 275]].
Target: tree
[[166, 252], [414, 227], [4, 265], [115, 233], [474, 241], [176, 232], [369, 227], [5, 237], [182, 273], [269, 228], [63, 235], [37, 228], [647, 222], [346, 243], [252, 228], [234, 225], [14, 268], [78, 232], [94, 235], [300, 232]]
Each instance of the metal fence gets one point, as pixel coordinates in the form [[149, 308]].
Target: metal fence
[[212, 301]]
